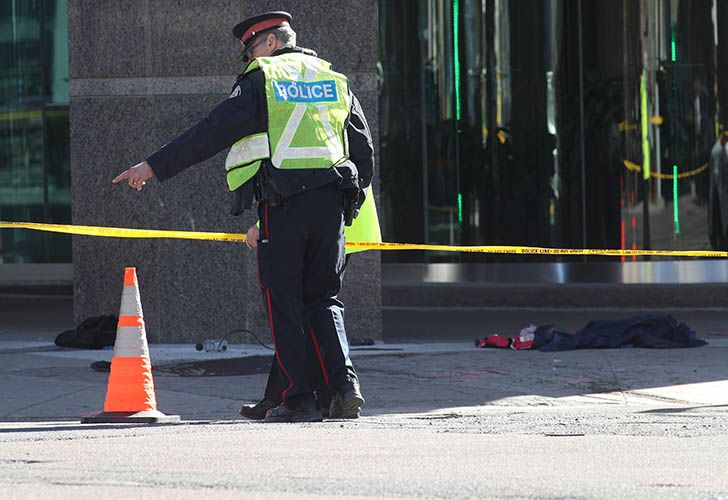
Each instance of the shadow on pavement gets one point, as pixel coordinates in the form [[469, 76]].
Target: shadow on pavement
[[480, 377], [685, 409]]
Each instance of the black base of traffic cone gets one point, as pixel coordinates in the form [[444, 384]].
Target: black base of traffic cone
[[140, 417]]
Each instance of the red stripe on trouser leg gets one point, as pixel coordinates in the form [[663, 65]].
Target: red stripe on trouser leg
[[275, 344], [270, 308], [320, 358]]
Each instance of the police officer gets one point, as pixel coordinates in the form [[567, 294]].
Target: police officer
[[301, 145]]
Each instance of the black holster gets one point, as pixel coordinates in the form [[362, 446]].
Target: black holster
[[267, 187], [242, 199], [351, 206]]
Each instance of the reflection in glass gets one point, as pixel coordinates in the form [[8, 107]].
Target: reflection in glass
[[34, 134], [554, 123]]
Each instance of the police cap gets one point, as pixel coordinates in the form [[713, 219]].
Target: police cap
[[247, 29]]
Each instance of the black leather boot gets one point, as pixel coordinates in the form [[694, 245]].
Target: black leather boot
[[303, 412], [257, 411], [347, 401]]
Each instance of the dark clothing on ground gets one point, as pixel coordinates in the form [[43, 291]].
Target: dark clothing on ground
[[649, 330]]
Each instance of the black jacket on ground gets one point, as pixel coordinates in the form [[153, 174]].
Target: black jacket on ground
[[245, 113], [648, 330]]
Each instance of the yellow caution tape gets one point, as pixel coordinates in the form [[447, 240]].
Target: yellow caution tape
[[625, 126], [33, 114], [521, 250], [118, 232], [637, 168], [122, 232]]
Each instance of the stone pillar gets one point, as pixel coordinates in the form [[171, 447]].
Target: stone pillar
[[142, 72]]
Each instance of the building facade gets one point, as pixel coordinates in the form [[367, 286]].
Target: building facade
[[561, 123], [138, 74]]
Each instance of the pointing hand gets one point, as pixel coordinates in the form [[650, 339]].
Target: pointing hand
[[136, 175]]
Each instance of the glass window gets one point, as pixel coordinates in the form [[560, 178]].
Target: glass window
[[34, 134], [553, 123]]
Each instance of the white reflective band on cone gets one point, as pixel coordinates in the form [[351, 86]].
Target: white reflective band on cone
[[131, 304], [131, 342]]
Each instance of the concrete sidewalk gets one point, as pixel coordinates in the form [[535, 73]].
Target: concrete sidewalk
[[43, 382]]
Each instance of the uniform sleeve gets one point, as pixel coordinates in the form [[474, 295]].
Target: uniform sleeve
[[361, 149], [236, 117]]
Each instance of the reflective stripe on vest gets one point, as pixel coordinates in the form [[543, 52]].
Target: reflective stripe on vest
[[308, 108], [244, 158]]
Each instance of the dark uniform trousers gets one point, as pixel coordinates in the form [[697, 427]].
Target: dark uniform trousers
[[277, 381], [300, 267]]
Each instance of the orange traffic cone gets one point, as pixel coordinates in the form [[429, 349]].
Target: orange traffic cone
[[130, 394]]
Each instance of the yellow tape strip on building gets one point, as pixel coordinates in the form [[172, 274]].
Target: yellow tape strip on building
[[637, 168], [118, 232]]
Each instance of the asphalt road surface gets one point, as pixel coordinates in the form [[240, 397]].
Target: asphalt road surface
[[529, 451]]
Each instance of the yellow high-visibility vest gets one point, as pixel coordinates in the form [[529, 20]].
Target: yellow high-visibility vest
[[308, 109]]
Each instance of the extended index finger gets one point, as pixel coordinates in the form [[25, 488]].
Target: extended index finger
[[121, 176]]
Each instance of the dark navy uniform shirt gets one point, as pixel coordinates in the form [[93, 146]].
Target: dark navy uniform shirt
[[245, 113]]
